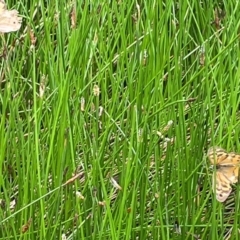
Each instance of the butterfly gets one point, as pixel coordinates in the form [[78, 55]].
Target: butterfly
[[227, 168], [9, 19]]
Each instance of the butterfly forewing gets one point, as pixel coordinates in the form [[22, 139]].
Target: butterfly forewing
[[219, 156], [227, 168]]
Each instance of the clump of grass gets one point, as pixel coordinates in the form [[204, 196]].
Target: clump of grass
[[106, 114]]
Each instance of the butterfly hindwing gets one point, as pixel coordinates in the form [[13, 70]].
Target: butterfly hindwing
[[9, 19], [225, 176]]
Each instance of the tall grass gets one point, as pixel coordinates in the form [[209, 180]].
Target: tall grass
[[107, 111]]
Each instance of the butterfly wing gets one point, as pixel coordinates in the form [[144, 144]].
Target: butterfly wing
[[219, 156], [2, 6], [9, 19], [222, 180], [227, 165]]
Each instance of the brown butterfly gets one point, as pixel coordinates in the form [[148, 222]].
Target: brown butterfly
[[227, 168]]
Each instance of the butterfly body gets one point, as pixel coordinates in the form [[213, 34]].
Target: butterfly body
[[227, 169]]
